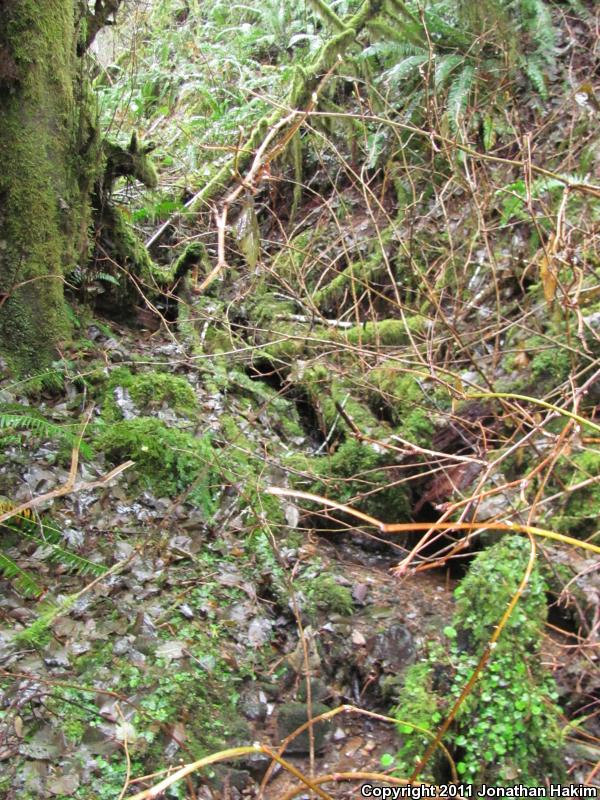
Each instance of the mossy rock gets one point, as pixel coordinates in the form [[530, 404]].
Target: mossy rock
[[292, 261], [168, 460], [386, 332], [579, 514], [319, 691], [328, 595], [149, 391], [411, 403], [507, 730], [291, 716]]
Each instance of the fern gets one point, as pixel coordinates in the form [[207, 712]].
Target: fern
[[537, 22], [57, 553], [399, 73], [458, 96], [489, 132], [22, 581], [474, 45], [46, 537], [444, 67], [535, 72], [515, 195], [580, 9], [36, 632], [108, 278], [37, 425], [15, 422], [389, 51]]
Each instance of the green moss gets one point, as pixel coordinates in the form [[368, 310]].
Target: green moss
[[495, 574], [407, 400], [46, 118], [114, 235], [355, 473], [168, 460], [327, 395], [387, 332], [581, 508], [282, 414], [193, 255], [328, 595], [149, 391], [132, 257], [419, 710], [507, 730], [356, 277], [265, 308], [550, 363], [291, 261], [131, 161]]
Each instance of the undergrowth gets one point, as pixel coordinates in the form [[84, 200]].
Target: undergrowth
[[507, 730]]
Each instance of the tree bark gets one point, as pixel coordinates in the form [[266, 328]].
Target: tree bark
[[49, 153]]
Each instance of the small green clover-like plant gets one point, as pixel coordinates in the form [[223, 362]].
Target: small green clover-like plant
[[506, 730]]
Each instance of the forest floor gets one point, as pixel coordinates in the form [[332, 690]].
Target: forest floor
[[143, 658], [190, 644]]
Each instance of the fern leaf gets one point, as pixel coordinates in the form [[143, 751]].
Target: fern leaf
[[536, 75], [108, 278], [458, 96], [22, 519], [34, 633], [395, 75], [538, 24], [41, 427], [489, 133], [57, 553], [444, 68], [28, 422], [444, 33], [21, 580]]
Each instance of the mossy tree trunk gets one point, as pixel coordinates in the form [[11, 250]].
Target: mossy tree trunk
[[49, 153]]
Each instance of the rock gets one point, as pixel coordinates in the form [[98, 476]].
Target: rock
[[320, 692], [63, 784], [40, 480], [393, 648], [229, 781], [253, 703], [122, 646], [291, 716], [256, 764], [56, 656], [359, 593]]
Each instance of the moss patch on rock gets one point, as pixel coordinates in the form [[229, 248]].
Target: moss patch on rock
[[149, 391], [507, 729], [580, 510], [167, 459]]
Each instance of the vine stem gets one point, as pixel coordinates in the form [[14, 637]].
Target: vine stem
[[401, 527]]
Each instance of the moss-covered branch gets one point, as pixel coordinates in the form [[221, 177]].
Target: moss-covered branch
[[303, 87], [103, 14]]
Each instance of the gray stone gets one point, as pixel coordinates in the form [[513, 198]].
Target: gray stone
[[291, 716]]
